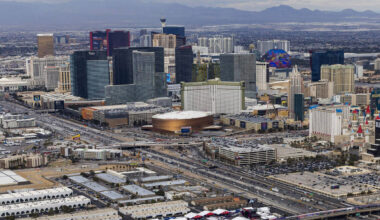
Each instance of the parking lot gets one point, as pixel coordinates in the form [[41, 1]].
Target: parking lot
[[325, 184]]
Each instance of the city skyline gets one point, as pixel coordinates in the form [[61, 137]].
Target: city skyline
[[258, 5]]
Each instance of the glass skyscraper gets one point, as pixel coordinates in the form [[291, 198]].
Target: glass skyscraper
[[86, 66], [123, 63], [299, 107], [184, 64], [319, 58], [239, 67]]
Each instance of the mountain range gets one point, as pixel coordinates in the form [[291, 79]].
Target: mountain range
[[84, 14]]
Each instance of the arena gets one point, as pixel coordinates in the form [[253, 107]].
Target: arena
[[175, 121]]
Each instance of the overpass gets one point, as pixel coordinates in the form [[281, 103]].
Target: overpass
[[138, 144], [343, 212]]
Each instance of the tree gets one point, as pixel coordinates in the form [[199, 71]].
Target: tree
[[64, 177], [160, 192], [92, 173], [51, 212]]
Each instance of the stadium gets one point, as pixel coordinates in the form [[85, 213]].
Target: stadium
[[277, 58], [182, 121]]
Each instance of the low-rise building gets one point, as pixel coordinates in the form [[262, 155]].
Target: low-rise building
[[154, 210], [43, 206], [9, 121], [24, 161], [252, 122], [21, 197], [97, 214], [241, 153], [96, 154]]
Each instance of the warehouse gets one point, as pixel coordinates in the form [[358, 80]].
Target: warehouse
[[43, 206], [139, 191], [20, 197], [8, 178], [165, 183], [108, 178], [163, 209], [97, 214]]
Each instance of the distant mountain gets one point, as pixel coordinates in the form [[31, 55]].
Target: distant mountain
[[84, 14]]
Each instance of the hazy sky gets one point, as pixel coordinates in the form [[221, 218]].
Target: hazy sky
[[255, 5]]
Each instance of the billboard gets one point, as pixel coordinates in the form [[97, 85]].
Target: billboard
[[242, 124], [264, 126], [36, 98], [76, 137], [60, 105], [186, 130], [275, 124]]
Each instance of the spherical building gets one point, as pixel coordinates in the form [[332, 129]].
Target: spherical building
[[176, 121], [277, 58]]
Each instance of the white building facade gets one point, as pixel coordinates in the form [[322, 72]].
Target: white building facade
[[327, 122], [213, 96]]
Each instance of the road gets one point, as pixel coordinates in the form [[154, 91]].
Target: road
[[249, 184]]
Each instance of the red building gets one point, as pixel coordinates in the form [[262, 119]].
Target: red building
[[109, 40]]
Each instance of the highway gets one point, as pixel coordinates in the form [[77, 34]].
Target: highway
[[286, 199]]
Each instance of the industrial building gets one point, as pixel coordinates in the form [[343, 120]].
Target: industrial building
[[177, 121], [213, 96], [241, 153], [154, 210], [43, 206], [10, 178], [28, 196], [97, 214], [138, 191], [252, 122]]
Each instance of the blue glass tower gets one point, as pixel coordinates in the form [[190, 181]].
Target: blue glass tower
[[319, 58]]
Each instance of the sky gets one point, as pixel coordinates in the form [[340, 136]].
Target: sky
[[258, 5]]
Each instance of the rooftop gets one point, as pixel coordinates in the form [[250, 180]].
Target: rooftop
[[182, 115], [138, 190]]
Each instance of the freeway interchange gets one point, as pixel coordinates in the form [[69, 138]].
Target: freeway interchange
[[287, 199]]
